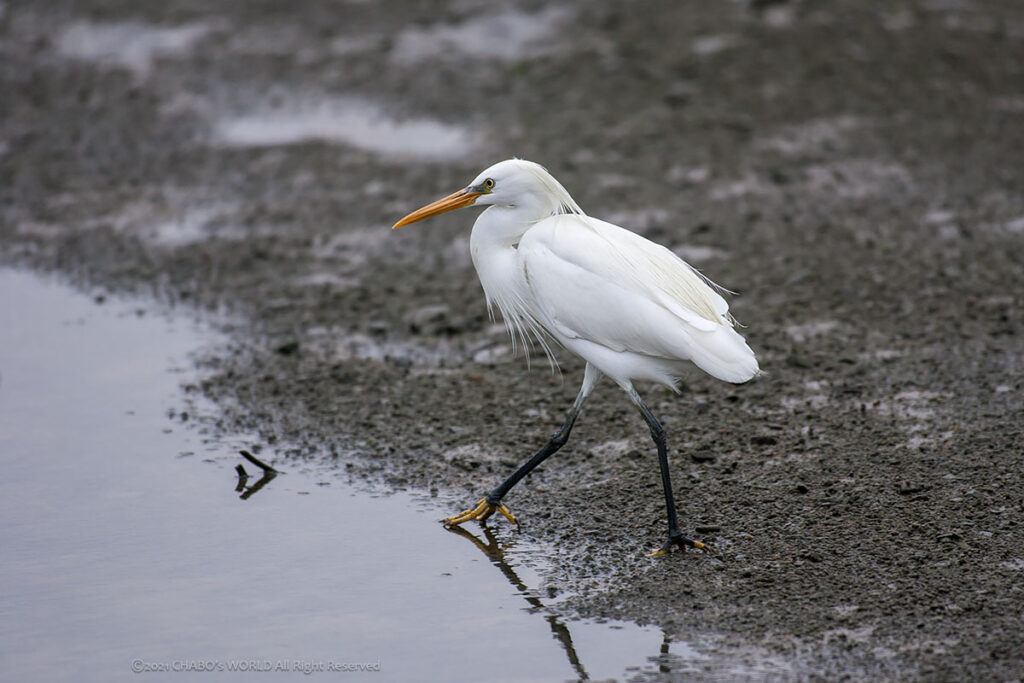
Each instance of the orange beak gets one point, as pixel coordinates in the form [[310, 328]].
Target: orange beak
[[456, 200]]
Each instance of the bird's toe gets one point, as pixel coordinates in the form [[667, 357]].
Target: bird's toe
[[682, 541], [481, 512]]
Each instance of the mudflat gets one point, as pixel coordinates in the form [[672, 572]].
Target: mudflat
[[852, 170]]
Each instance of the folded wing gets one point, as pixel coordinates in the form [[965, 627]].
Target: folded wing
[[596, 281]]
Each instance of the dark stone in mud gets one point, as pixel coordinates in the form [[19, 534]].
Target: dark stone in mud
[[288, 348], [854, 170]]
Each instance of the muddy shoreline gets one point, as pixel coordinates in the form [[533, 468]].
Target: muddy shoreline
[[854, 171]]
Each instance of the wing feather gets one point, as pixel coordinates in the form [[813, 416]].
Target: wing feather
[[649, 301]]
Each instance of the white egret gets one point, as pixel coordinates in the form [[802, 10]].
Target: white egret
[[632, 309]]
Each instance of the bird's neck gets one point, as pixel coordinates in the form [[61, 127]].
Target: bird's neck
[[493, 246], [503, 226]]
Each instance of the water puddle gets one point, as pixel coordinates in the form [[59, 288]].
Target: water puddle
[[131, 544], [348, 121], [505, 35], [131, 45]]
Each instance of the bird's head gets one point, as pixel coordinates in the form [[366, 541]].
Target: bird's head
[[509, 183]]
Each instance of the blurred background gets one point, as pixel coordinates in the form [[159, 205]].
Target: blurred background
[[851, 169]]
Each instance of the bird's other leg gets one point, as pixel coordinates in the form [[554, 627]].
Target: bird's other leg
[[675, 534], [492, 502]]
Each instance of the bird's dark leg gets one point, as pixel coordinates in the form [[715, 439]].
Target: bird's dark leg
[[675, 534], [486, 507]]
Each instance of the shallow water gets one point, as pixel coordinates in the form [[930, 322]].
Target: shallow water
[[126, 546], [506, 36], [349, 121], [130, 44]]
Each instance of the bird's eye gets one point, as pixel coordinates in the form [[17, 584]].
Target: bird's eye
[[489, 183]]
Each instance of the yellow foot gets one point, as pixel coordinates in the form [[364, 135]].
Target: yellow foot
[[681, 541], [482, 511]]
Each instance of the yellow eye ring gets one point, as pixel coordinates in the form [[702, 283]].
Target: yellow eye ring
[[489, 184]]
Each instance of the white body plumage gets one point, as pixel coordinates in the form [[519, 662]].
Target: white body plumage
[[628, 306]]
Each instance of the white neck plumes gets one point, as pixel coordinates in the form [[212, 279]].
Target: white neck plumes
[[555, 197], [493, 247]]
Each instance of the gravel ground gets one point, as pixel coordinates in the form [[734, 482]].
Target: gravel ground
[[853, 169]]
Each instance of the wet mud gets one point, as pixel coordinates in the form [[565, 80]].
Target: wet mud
[[852, 169]]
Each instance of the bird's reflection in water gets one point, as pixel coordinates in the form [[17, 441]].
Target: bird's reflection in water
[[243, 478], [489, 545], [496, 554], [666, 661], [269, 473]]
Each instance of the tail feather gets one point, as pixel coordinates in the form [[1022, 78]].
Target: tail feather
[[724, 354]]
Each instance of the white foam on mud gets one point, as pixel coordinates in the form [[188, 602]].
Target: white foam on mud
[[812, 401], [692, 175], [881, 354], [291, 41], [132, 45], [496, 353], [858, 178], [748, 185], [939, 217], [710, 45], [815, 398], [1016, 225], [347, 121], [176, 222], [778, 17], [470, 451], [611, 450], [502, 35], [816, 135], [804, 331], [359, 346], [190, 227], [911, 405], [928, 439], [330, 280]]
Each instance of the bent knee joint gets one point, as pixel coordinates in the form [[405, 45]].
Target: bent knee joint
[[559, 439]]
